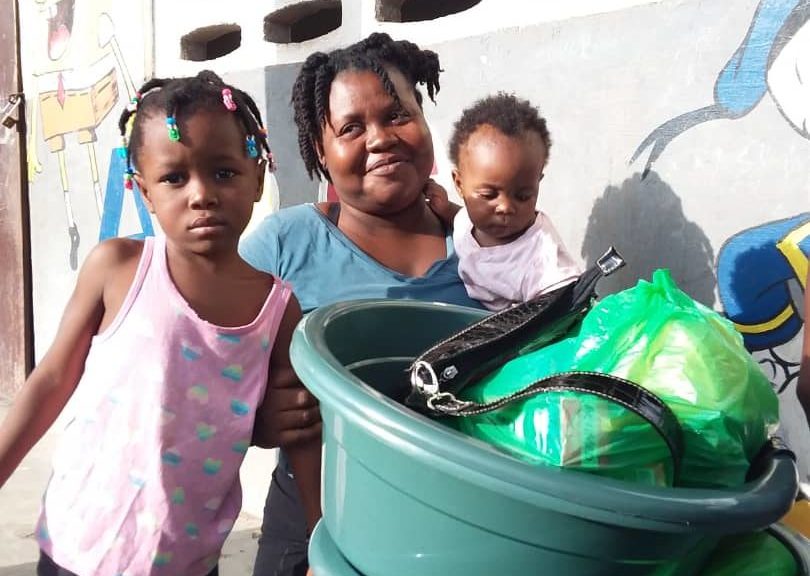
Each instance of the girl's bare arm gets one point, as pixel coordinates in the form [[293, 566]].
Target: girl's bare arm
[[50, 385]]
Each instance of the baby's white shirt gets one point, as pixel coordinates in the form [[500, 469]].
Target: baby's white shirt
[[499, 276]]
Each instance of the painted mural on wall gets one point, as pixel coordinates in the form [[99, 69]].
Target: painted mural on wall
[[761, 270], [79, 76]]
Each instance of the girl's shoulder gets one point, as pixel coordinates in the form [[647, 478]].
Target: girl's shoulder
[[111, 256]]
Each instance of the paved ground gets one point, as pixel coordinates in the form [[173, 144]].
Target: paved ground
[[19, 506]]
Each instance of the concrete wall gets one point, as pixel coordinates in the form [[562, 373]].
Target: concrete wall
[[679, 136]]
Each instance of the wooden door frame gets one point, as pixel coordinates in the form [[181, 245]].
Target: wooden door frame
[[16, 312]]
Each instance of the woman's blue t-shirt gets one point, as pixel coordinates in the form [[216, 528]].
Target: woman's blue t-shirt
[[302, 246]]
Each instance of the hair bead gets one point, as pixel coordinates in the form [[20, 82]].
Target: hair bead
[[250, 142], [174, 133]]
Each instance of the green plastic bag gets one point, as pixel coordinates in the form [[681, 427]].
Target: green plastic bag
[[757, 554], [658, 337]]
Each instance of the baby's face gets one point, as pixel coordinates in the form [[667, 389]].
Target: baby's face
[[498, 178]]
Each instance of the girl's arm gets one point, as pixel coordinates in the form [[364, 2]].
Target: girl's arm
[[803, 387], [50, 385], [303, 452]]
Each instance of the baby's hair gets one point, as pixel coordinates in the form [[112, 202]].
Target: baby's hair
[[310, 94], [173, 97], [507, 113]]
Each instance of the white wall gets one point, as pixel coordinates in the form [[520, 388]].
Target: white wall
[[174, 19]]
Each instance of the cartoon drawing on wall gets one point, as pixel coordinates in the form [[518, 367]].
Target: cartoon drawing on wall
[[78, 69], [761, 271], [773, 58], [761, 276]]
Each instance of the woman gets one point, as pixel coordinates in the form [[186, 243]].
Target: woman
[[360, 126]]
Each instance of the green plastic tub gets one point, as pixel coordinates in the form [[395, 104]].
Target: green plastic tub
[[406, 496], [326, 559]]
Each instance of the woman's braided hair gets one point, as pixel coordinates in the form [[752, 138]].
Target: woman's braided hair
[[172, 97], [310, 94]]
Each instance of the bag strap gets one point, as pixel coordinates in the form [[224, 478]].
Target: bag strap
[[465, 356], [623, 392]]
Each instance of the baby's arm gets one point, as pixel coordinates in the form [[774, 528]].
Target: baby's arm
[[803, 387], [439, 202], [303, 452], [50, 385]]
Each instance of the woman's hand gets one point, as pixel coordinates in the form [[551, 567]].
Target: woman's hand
[[289, 414], [292, 417]]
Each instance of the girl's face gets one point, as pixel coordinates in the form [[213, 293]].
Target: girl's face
[[378, 152], [201, 188], [498, 178]]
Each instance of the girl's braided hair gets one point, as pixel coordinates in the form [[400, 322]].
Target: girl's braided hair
[[310, 94], [174, 97]]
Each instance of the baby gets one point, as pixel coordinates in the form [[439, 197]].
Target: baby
[[508, 251]]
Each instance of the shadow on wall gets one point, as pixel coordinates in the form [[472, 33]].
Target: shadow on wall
[[644, 220]]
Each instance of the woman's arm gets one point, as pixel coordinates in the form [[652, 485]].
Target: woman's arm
[[50, 385], [803, 387], [303, 448]]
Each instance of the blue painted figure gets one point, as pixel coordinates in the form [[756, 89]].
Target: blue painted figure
[[773, 57]]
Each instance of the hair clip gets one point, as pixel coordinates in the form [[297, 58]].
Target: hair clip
[[263, 131], [174, 133], [227, 98], [128, 179], [250, 142], [122, 151]]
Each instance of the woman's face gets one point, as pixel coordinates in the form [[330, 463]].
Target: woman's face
[[378, 152]]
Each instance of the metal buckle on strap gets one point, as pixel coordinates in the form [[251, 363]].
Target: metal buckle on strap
[[446, 403], [424, 379], [610, 261]]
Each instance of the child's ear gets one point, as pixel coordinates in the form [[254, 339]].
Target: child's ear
[[457, 182], [144, 192], [261, 169]]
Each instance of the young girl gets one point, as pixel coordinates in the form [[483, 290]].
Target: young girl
[[508, 251], [173, 347]]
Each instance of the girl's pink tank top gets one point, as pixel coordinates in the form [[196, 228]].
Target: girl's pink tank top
[[146, 479]]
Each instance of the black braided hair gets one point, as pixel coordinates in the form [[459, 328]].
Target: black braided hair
[[509, 114], [310, 94], [182, 97]]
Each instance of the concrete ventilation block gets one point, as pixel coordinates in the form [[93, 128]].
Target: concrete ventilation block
[[303, 21]]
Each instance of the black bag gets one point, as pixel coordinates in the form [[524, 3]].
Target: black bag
[[439, 373]]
